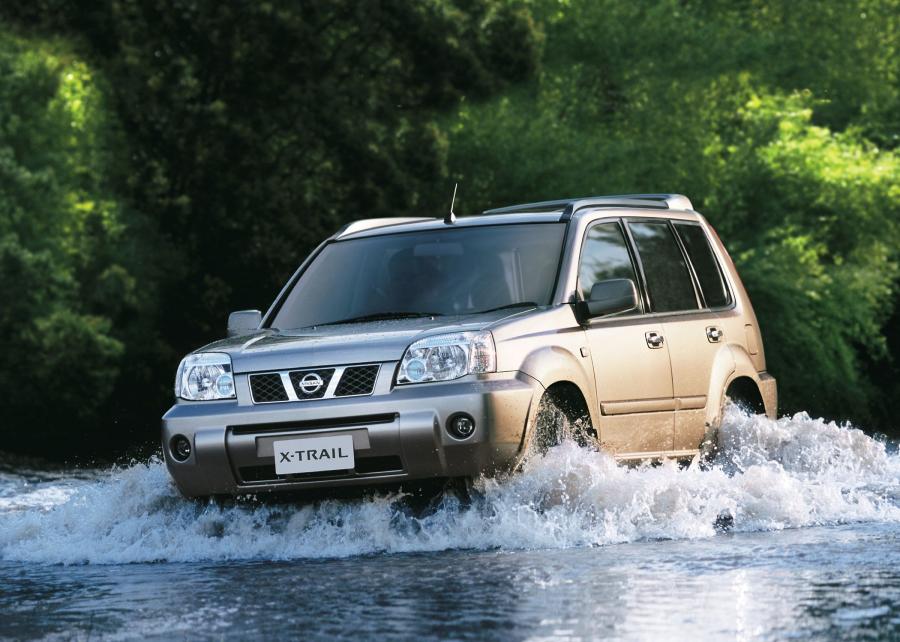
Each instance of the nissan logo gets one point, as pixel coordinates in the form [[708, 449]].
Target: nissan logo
[[310, 383]]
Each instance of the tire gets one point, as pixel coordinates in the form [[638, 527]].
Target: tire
[[748, 403], [555, 423], [709, 446]]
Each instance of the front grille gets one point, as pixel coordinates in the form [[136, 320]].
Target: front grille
[[364, 466], [267, 388], [357, 380], [311, 384]]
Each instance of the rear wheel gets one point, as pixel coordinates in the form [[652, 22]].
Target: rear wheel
[[742, 392], [709, 447]]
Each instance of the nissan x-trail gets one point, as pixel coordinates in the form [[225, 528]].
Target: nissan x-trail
[[418, 348]]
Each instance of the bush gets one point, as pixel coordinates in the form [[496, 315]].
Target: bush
[[809, 212]]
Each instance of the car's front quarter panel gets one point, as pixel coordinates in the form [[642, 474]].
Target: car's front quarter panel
[[550, 346]]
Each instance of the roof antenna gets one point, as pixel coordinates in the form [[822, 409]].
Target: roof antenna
[[450, 219]]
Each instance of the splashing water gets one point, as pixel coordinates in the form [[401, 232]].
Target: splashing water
[[766, 475]]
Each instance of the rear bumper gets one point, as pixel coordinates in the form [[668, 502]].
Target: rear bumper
[[398, 435]]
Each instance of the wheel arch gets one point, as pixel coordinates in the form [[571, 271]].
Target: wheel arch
[[745, 392], [740, 380], [560, 371], [568, 397]]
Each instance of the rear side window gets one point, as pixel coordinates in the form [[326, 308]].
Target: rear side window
[[669, 281], [604, 256], [705, 265]]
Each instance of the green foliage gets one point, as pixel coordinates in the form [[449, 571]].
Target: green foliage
[[257, 129], [63, 280], [822, 258], [165, 161]]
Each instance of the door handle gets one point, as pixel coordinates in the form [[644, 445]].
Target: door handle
[[714, 334], [654, 340]]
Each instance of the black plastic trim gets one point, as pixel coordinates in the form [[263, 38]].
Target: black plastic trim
[[337, 422]]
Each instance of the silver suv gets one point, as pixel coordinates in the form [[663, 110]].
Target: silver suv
[[416, 348]]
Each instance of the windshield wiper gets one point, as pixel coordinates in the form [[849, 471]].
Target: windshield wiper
[[384, 316], [520, 304]]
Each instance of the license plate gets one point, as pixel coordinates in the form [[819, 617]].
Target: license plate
[[314, 454]]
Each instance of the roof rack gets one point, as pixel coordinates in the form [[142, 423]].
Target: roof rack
[[572, 205], [371, 223]]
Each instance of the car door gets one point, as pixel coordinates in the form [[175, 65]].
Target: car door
[[691, 329], [629, 352]]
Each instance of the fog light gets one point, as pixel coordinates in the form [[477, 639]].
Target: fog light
[[181, 447], [461, 426]]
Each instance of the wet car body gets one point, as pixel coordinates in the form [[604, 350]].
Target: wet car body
[[649, 383]]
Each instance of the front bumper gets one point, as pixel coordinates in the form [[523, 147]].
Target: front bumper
[[398, 434]]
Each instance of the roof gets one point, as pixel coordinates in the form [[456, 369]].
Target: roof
[[540, 212]]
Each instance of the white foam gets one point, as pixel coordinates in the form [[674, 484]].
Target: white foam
[[767, 475]]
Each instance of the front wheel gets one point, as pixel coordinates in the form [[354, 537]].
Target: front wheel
[[558, 420]]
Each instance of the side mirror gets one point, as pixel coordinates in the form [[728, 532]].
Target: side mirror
[[243, 322], [612, 296]]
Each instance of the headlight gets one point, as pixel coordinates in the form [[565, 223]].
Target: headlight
[[448, 356], [205, 376]]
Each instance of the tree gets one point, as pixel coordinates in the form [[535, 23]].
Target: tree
[[66, 276]]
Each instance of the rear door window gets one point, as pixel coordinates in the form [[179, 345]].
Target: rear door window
[[604, 256], [707, 269], [666, 272]]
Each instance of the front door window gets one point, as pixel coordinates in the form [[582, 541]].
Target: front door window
[[605, 256]]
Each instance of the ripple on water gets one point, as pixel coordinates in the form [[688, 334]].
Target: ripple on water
[[767, 475]]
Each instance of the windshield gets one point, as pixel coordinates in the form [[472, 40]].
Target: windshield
[[461, 270]]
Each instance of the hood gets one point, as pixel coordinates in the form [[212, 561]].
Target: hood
[[334, 345]]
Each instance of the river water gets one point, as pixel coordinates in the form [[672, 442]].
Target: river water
[[792, 531]]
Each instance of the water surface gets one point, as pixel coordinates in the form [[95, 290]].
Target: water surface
[[793, 531]]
